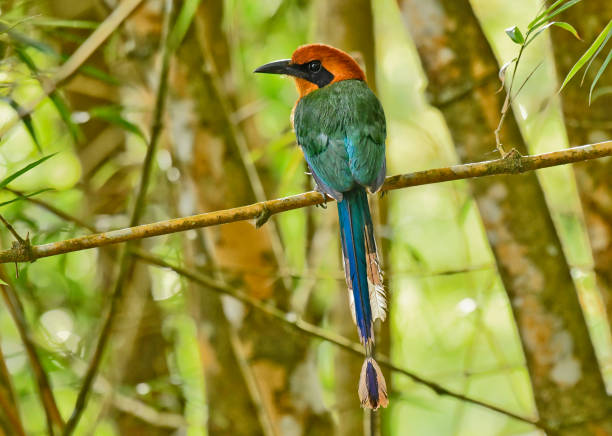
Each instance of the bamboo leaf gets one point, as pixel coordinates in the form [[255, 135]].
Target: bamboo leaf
[[560, 24], [112, 114], [66, 115], [183, 21], [599, 73], [587, 55], [24, 170], [588, 67], [58, 101], [553, 14], [543, 14], [515, 35], [24, 196], [567, 26], [26, 118]]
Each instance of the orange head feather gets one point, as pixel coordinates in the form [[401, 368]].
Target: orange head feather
[[314, 66], [339, 63]]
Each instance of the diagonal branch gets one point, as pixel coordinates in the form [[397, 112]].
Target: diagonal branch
[[306, 328], [511, 163], [54, 418]]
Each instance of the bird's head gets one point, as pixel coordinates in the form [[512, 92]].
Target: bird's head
[[314, 66]]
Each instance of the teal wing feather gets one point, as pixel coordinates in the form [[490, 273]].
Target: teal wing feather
[[341, 129]]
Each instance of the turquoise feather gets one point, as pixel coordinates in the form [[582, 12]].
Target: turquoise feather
[[341, 129]]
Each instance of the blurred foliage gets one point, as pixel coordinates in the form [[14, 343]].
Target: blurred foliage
[[451, 320]]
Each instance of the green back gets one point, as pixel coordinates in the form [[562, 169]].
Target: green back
[[341, 129]]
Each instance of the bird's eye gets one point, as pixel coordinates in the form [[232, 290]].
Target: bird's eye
[[314, 66]]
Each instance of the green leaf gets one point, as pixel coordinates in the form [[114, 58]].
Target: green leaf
[[543, 14], [599, 73], [112, 114], [24, 170], [515, 35], [66, 115], [20, 38], [24, 196], [2, 282], [56, 98], [26, 118], [568, 27], [587, 55], [554, 14], [601, 47], [561, 24], [183, 21], [96, 73], [25, 58]]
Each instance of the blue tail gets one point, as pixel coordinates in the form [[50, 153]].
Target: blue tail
[[366, 293], [354, 214]]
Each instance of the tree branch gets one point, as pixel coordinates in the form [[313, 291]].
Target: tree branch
[[512, 163], [13, 304], [306, 328]]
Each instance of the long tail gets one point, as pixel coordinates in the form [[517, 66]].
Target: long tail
[[365, 287]]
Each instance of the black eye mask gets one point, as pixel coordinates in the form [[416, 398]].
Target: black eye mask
[[315, 73]]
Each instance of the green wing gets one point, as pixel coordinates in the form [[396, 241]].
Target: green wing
[[341, 129]]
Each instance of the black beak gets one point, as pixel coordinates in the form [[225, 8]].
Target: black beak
[[280, 67]]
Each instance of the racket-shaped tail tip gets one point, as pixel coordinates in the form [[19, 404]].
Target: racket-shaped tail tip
[[372, 386]]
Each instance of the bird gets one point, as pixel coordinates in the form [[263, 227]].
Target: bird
[[341, 128]]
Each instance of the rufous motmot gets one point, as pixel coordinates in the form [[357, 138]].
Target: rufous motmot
[[340, 126]]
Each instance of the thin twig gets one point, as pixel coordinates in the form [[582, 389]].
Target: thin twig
[[54, 210], [126, 262], [130, 405], [12, 230], [506, 105], [512, 163], [306, 328], [263, 414], [44, 387], [121, 12]]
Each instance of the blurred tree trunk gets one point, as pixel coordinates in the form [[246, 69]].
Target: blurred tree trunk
[[462, 71], [137, 348], [349, 25], [587, 124], [286, 384]]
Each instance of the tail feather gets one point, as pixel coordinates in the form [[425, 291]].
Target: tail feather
[[353, 214], [365, 286], [361, 266], [378, 301], [372, 386]]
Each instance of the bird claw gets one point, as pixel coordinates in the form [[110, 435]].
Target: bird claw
[[324, 204], [320, 191]]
